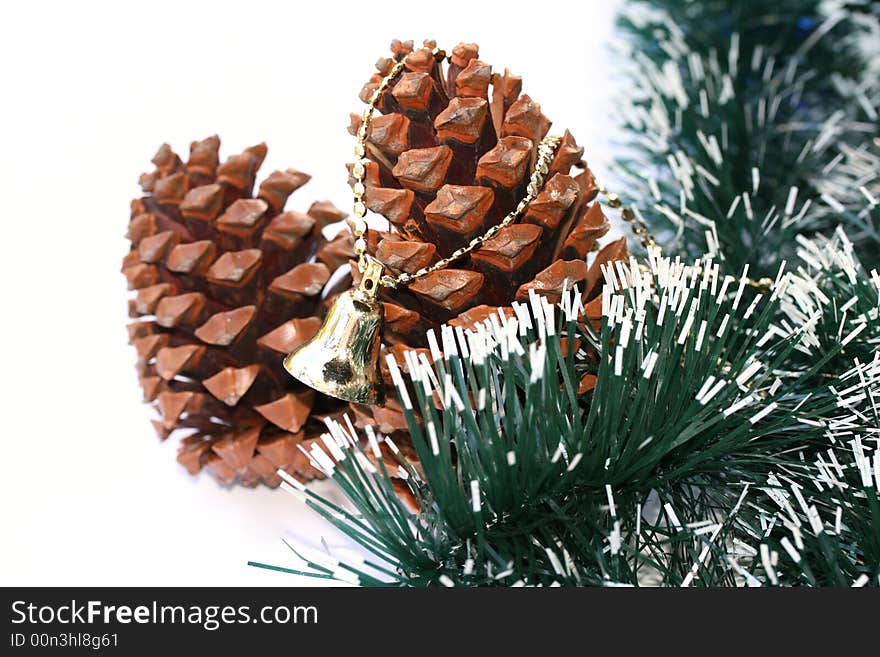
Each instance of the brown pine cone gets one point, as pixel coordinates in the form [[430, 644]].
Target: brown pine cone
[[227, 282], [449, 156]]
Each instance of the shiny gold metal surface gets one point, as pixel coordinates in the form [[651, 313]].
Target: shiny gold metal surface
[[342, 360]]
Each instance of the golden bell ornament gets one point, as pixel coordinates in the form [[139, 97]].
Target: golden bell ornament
[[342, 359]]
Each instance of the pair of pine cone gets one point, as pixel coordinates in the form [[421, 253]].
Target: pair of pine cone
[[227, 280]]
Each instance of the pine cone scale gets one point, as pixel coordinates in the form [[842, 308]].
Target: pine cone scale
[[223, 288]]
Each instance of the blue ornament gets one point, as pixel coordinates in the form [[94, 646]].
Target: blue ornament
[[806, 23]]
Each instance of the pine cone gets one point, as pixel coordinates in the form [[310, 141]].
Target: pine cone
[[227, 283], [450, 156]]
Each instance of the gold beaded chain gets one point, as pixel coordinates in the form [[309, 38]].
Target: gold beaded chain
[[546, 149], [640, 229]]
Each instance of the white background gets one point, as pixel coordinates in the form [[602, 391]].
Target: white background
[[88, 91]]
